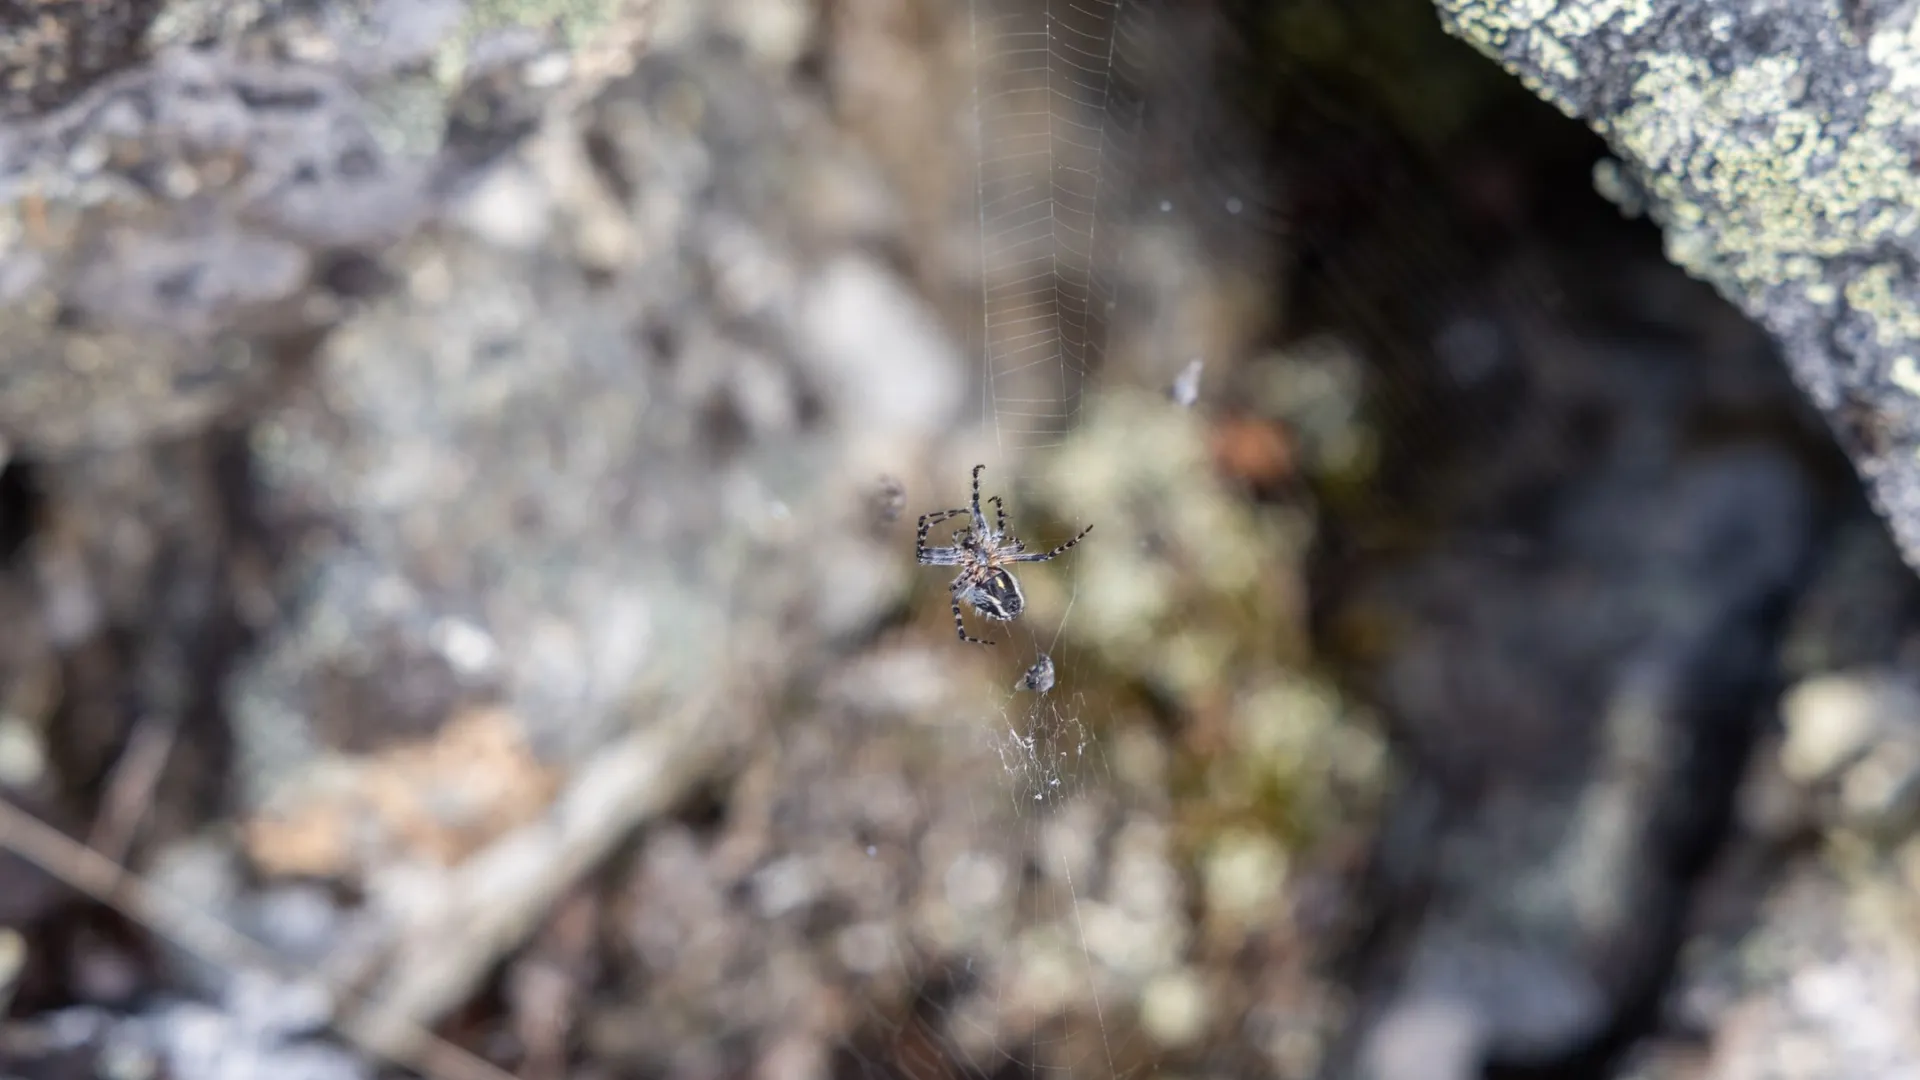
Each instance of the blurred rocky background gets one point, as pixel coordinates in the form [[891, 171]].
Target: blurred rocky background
[[458, 614]]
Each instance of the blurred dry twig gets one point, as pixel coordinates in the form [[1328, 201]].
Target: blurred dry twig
[[208, 939], [498, 897]]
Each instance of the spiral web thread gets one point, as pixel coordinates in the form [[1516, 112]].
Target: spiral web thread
[[1056, 120], [1055, 112], [1052, 109]]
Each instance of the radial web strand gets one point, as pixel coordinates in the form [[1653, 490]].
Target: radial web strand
[[1049, 96]]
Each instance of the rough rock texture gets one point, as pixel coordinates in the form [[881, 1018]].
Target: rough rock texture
[[52, 50], [544, 458], [171, 235], [1773, 143]]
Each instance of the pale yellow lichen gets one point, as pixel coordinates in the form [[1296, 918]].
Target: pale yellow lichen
[[1549, 25], [1556, 59], [576, 20], [1756, 187], [1897, 48], [1491, 25], [1872, 291], [1776, 187], [1574, 20]]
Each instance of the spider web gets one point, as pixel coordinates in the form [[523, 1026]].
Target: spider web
[[1063, 193], [1026, 988], [1053, 114], [1016, 979], [1051, 978]]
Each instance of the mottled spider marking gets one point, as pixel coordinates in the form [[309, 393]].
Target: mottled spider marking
[[983, 554]]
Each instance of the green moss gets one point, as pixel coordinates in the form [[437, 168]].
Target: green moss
[[1189, 598]]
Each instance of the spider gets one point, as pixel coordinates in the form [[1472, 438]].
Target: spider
[[983, 554]]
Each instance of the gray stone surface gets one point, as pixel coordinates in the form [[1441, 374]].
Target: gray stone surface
[[1773, 144], [541, 494], [160, 235]]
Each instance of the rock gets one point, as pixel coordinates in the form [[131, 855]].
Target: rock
[[53, 50], [160, 234], [1832, 720], [1856, 738], [1770, 143], [541, 466], [1822, 985]]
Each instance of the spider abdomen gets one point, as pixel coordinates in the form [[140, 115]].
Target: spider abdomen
[[997, 596]]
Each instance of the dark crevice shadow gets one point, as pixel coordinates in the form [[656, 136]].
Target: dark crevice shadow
[[1394, 236]]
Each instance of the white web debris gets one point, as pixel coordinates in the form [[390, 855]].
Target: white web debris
[[1039, 677], [1045, 744], [1185, 390], [1043, 751]]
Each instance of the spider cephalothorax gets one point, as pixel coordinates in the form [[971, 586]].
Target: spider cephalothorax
[[983, 553]]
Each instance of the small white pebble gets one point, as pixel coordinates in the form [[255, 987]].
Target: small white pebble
[[88, 156], [785, 885], [23, 754], [1832, 719], [865, 948], [548, 71], [467, 647], [509, 209], [974, 882]]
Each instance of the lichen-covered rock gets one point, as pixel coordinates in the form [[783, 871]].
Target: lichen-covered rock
[[52, 50], [1771, 142], [160, 234], [1826, 985], [610, 394], [186, 221], [1806, 972]]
